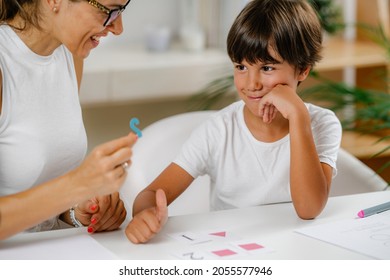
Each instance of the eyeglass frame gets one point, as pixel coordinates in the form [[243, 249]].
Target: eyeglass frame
[[108, 11]]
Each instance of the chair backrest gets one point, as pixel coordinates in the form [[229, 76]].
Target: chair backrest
[[155, 150], [162, 140], [353, 176]]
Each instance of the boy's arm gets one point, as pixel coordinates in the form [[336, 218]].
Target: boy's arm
[[150, 211], [174, 180], [310, 179]]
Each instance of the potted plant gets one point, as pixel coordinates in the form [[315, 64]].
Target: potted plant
[[329, 14], [371, 107]]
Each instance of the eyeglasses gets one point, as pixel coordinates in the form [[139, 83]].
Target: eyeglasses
[[112, 14]]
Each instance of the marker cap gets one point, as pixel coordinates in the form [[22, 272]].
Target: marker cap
[[361, 214]]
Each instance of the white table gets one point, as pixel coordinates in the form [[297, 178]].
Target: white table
[[273, 225]]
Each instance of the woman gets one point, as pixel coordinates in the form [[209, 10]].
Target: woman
[[43, 178]]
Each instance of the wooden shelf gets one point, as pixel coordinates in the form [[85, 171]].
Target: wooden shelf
[[363, 146], [339, 53]]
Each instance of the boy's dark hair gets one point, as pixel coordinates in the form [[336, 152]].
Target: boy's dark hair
[[290, 27]]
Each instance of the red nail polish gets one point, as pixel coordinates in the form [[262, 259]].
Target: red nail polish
[[90, 229], [93, 207], [93, 221]]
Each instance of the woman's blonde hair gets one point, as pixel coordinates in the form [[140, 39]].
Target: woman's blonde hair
[[27, 10]]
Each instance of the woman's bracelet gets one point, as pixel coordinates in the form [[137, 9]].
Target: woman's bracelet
[[73, 218]]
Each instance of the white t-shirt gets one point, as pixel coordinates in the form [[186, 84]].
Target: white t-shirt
[[42, 135], [244, 171]]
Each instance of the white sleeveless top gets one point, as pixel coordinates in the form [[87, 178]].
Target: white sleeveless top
[[42, 134]]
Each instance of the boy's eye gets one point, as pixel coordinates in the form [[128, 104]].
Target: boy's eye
[[240, 67], [267, 68]]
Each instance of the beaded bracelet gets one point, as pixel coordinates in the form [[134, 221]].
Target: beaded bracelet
[[73, 218]]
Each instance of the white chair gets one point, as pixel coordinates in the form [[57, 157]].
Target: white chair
[[353, 176], [155, 150], [161, 141]]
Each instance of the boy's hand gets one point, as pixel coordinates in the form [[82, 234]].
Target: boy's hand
[[146, 224], [281, 98]]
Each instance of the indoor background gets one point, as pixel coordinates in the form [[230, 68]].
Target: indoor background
[[171, 49]]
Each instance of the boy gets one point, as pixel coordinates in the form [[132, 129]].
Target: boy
[[270, 146]]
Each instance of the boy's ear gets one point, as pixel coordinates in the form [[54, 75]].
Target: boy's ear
[[304, 73]]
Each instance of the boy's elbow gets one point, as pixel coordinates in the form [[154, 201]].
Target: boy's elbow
[[305, 216], [5, 234], [310, 208], [308, 212]]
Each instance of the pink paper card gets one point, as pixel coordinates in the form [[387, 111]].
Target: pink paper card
[[251, 246], [224, 253]]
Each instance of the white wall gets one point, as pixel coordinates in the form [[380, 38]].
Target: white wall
[[141, 13], [107, 121]]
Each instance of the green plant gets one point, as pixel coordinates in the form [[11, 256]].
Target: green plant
[[213, 93], [371, 107], [329, 14]]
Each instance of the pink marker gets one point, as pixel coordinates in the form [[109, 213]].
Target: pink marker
[[374, 210]]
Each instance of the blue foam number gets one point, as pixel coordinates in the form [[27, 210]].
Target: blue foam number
[[133, 125]]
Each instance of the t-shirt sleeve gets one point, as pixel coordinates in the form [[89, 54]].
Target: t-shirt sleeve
[[327, 134], [195, 154]]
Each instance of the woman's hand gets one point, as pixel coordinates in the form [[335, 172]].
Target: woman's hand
[[103, 213], [103, 171], [97, 181]]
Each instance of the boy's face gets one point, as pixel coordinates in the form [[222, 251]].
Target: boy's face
[[253, 81]]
